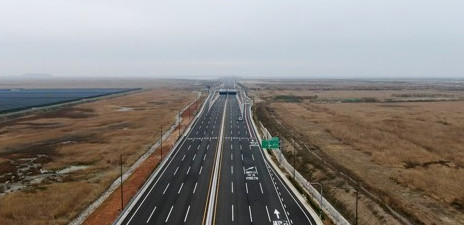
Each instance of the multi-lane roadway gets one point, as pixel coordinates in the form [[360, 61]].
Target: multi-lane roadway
[[217, 174]]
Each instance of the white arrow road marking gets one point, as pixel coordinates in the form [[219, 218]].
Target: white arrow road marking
[[250, 168], [277, 214]]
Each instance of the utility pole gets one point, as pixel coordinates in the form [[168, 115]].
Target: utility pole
[[357, 189], [161, 142], [122, 192], [178, 125], [320, 199], [281, 150], [294, 160]]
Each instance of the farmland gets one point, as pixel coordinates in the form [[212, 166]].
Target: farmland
[[20, 99], [398, 143], [54, 163]]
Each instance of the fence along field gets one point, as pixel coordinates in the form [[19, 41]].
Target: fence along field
[[20, 99]]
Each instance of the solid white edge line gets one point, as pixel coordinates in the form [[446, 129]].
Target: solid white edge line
[[209, 216]]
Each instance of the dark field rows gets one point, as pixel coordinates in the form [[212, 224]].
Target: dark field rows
[[20, 99]]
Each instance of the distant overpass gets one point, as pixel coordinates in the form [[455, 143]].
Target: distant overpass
[[228, 91]]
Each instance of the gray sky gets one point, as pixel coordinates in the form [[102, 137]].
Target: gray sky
[[323, 38]]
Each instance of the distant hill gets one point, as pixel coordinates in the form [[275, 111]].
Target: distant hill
[[36, 75]]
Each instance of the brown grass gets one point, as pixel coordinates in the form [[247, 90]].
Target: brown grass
[[92, 134], [410, 154]]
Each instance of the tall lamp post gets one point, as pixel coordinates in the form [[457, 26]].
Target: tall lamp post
[[294, 160], [357, 197], [320, 198], [161, 142], [179, 125], [122, 191]]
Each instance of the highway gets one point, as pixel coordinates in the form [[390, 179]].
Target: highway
[[217, 174]]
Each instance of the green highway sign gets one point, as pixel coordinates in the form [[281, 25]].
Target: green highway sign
[[273, 143]]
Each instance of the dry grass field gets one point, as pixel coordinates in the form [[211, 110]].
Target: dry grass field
[[53, 164], [410, 155]]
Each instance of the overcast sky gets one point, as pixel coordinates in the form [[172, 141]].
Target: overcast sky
[[322, 38]]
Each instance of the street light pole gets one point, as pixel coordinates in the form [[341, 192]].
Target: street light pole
[[320, 199], [357, 197], [178, 125], [294, 160], [161, 142], [122, 192]]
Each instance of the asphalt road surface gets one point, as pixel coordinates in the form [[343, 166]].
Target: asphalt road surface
[[243, 190]]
